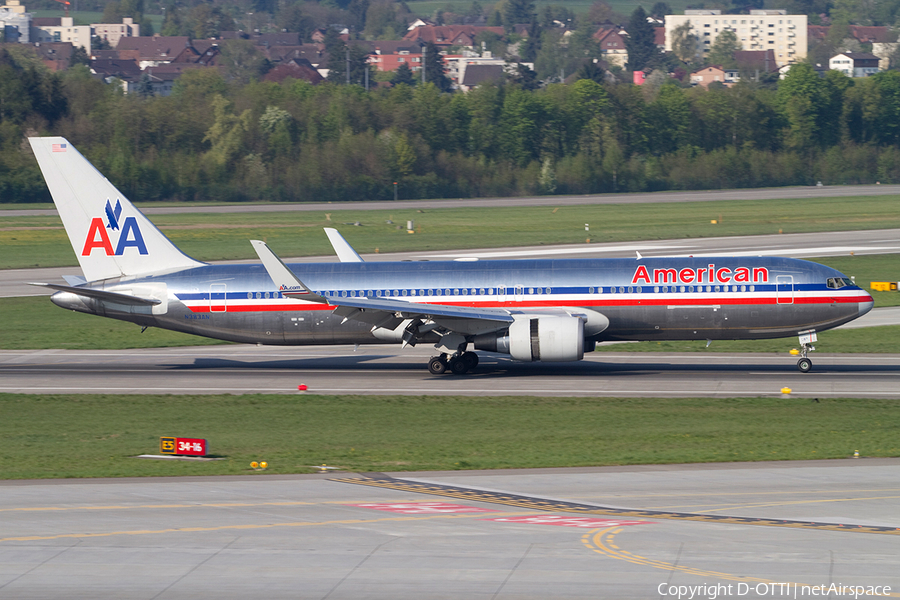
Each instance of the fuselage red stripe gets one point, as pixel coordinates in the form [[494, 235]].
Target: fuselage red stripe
[[671, 301]]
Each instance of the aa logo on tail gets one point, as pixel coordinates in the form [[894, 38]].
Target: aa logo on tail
[[129, 235]]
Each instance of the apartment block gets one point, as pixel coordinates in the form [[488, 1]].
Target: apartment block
[[61, 29], [785, 35]]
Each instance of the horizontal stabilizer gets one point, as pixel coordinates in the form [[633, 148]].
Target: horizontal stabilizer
[[74, 279], [102, 295]]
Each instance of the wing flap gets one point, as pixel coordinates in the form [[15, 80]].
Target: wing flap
[[410, 310]]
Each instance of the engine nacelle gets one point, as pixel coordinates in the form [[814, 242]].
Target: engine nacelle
[[549, 339]]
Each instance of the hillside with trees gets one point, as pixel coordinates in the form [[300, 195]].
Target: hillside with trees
[[567, 127]]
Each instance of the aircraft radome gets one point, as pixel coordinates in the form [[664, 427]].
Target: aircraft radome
[[532, 310]]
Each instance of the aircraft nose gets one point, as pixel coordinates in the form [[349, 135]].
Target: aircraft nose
[[866, 305]]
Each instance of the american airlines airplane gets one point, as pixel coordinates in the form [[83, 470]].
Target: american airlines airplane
[[532, 310]]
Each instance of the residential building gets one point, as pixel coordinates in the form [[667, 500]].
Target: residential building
[[55, 56], [152, 51], [444, 36], [113, 32], [126, 73], [61, 29], [784, 34], [296, 68], [704, 76], [854, 64], [883, 40], [473, 75], [756, 62], [266, 40], [389, 55], [15, 23], [612, 45]]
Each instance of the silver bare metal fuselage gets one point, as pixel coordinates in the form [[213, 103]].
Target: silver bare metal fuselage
[[646, 299]]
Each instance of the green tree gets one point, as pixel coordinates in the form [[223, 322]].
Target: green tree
[[685, 44], [207, 21], [670, 120], [600, 12], [112, 13], [403, 76], [434, 68], [292, 18], [744, 6], [243, 61], [520, 126], [660, 10], [226, 136], [518, 11], [723, 49], [590, 70], [801, 101], [79, 57], [641, 41], [524, 78], [145, 86]]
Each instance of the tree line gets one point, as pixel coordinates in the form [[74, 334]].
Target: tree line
[[220, 140]]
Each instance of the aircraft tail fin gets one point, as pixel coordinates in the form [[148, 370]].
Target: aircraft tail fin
[[111, 237]]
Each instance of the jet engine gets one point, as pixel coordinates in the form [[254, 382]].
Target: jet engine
[[550, 339]]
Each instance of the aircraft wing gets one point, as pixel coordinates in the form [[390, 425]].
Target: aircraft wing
[[383, 312], [102, 295], [344, 250], [288, 283]]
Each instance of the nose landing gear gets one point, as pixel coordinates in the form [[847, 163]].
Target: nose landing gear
[[804, 365]]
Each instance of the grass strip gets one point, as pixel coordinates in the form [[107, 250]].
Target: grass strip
[[41, 241], [34, 323], [49, 436]]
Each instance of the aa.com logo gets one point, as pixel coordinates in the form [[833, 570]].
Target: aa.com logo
[[128, 236]]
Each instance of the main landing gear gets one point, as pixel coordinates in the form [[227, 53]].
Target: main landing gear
[[457, 364]]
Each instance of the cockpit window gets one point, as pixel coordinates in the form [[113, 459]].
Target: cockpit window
[[838, 282]]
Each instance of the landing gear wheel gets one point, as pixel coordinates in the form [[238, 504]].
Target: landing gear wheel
[[471, 360], [804, 364], [437, 365], [458, 365]]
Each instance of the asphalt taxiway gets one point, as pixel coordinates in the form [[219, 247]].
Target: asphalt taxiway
[[786, 193], [243, 369], [744, 530]]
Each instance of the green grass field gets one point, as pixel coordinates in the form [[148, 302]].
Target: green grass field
[[42, 242], [97, 436]]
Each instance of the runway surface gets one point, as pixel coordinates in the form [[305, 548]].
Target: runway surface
[[764, 529], [241, 369], [788, 193], [14, 282]]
